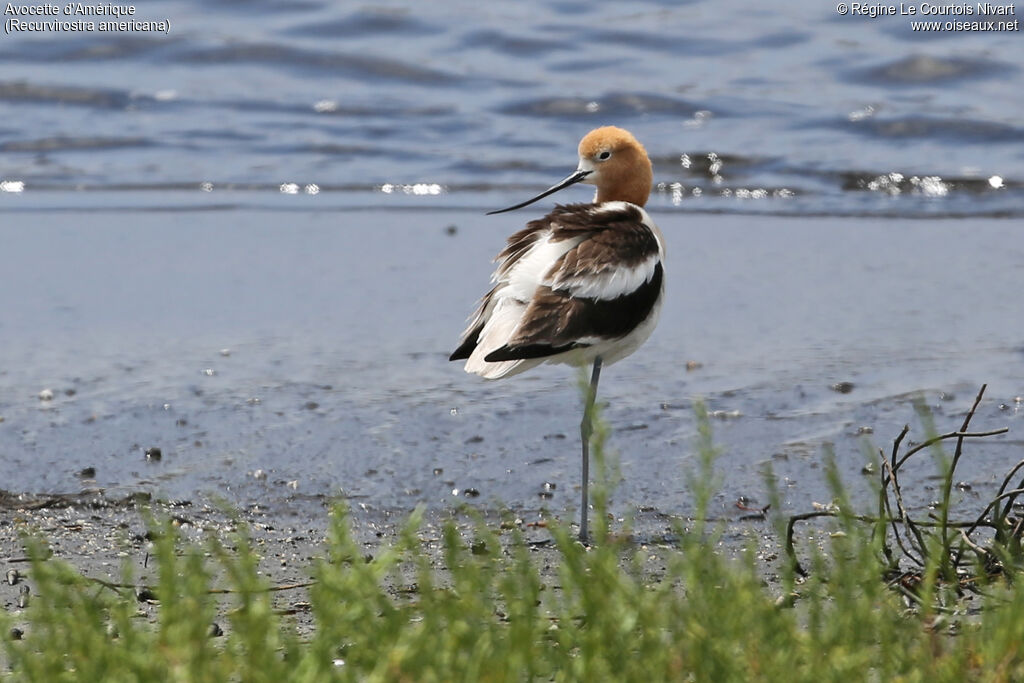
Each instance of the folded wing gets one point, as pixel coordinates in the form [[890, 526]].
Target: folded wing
[[583, 275]]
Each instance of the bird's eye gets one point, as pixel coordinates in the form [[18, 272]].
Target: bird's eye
[[605, 155]]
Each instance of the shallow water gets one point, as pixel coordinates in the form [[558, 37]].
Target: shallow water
[[802, 111], [301, 186]]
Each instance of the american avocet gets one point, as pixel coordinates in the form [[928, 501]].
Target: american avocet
[[583, 285]]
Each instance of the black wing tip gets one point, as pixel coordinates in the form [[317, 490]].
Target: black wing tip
[[463, 352], [527, 352], [468, 345]]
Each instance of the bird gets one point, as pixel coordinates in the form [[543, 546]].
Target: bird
[[583, 285]]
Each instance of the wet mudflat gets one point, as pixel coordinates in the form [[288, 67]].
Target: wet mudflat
[[185, 357], [103, 537]]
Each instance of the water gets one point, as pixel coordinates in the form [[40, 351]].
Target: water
[[805, 111], [301, 185]]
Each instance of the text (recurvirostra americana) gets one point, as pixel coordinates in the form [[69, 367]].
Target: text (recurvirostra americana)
[[78, 16]]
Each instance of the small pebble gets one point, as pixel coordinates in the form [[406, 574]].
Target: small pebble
[[13, 577], [471, 493], [23, 597], [451, 230], [786, 601], [154, 453], [87, 473], [843, 387], [215, 630], [17, 633], [46, 395]]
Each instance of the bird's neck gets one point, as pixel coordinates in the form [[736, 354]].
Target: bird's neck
[[636, 193]]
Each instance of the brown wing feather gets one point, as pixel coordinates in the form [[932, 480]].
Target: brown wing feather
[[556, 319], [629, 246]]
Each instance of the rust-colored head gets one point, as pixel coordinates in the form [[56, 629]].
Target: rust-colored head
[[618, 165], [613, 160]]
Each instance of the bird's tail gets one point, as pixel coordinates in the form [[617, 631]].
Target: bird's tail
[[496, 332]]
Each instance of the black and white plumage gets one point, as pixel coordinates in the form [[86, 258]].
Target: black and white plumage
[[584, 281], [583, 285]]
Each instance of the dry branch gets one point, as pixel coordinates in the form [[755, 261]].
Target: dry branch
[[919, 540]]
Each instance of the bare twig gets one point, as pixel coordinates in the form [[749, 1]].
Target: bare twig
[[947, 486], [907, 531], [997, 523], [867, 519], [907, 522], [117, 587], [982, 553], [884, 507], [951, 435], [790, 525], [1006, 482], [892, 469]]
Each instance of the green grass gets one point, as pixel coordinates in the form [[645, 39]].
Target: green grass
[[489, 613]]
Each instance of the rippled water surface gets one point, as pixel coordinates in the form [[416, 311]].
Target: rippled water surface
[[301, 185], [789, 108]]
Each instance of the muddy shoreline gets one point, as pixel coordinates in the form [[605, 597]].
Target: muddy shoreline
[[99, 536]]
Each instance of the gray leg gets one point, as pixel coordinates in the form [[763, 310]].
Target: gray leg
[[586, 430]]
